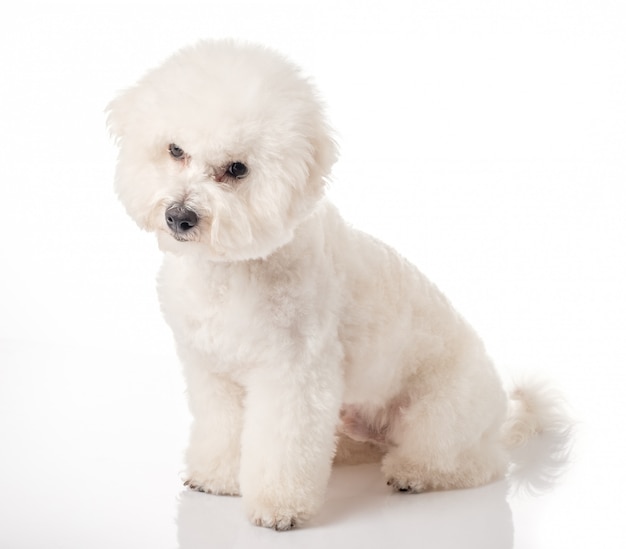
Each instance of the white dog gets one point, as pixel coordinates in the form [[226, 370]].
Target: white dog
[[303, 340]]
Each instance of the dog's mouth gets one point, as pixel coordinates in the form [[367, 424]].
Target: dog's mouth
[[179, 237]]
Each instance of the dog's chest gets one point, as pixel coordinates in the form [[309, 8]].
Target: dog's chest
[[223, 312]]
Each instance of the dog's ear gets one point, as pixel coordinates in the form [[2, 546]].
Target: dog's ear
[[115, 117], [326, 152], [124, 111]]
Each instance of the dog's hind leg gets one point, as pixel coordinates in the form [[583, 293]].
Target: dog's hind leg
[[449, 437]]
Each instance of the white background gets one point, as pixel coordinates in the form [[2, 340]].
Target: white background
[[483, 139]]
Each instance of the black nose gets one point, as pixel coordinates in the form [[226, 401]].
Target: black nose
[[180, 219]]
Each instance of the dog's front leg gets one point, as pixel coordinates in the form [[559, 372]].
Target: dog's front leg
[[213, 452], [288, 441]]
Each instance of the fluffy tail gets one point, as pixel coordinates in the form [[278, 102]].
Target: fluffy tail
[[539, 433]]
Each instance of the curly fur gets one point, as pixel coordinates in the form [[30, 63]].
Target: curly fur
[[294, 329]]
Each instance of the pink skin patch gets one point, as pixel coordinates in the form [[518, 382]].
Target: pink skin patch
[[376, 426]]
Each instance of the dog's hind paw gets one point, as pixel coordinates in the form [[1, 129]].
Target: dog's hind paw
[[406, 486]]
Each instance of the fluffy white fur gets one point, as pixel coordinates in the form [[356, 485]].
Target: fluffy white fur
[[302, 339]]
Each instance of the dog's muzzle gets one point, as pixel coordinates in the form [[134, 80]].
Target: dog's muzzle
[[180, 220]]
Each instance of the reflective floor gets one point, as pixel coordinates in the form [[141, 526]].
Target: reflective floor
[[88, 461]]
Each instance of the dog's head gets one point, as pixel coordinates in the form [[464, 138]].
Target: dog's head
[[223, 148]]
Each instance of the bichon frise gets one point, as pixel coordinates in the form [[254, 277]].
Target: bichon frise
[[303, 340]]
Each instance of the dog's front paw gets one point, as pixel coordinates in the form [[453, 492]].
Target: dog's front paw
[[219, 487], [279, 518], [280, 513], [277, 521]]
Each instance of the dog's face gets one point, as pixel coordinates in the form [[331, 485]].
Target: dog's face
[[223, 149]]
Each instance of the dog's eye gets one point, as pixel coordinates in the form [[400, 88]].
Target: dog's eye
[[238, 170], [176, 152]]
